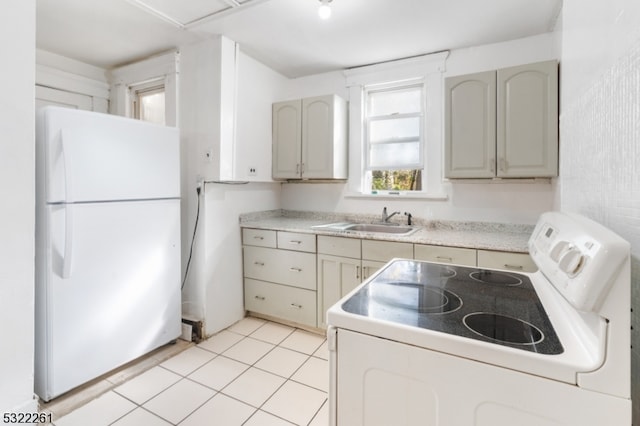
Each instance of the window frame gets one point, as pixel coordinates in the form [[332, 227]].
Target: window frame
[[145, 89], [368, 118], [430, 68]]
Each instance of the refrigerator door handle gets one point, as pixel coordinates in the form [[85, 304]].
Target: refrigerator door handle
[[68, 241], [66, 157]]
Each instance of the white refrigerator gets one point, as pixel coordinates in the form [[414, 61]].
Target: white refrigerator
[[107, 244]]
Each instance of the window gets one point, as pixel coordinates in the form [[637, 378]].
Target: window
[[148, 103], [394, 137]]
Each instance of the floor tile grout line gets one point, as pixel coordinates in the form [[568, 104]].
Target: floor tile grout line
[[326, 401]]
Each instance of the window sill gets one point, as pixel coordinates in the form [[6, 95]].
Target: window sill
[[401, 195]]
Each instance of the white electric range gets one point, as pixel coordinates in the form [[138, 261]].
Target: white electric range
[[423, 343]]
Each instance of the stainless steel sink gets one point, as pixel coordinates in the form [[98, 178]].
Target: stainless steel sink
[[376, 228]]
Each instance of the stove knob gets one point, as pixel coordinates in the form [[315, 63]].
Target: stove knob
[[571, 261], [558, 250]]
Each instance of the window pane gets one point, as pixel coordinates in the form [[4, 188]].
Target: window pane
[[395, 101], [394, 129], [396, 180], [395, 155], [152, 107]]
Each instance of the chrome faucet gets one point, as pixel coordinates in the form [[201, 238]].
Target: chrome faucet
[[385, 217]]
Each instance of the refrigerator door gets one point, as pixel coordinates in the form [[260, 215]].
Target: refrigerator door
[[96, 157], [112, 290]]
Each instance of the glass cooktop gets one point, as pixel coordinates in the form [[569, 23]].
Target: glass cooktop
[[492, 306]]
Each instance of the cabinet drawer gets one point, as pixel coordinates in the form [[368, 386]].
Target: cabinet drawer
[[293, 304], [383, 251], [258, 237], [441, 254], [295, 241], [339, 246], [519, 262], [292, 268]]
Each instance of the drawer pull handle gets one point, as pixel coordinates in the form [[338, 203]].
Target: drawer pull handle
[[260, 297], [295, 305], [258, 237], [517, 267], [294, 269], [295, 242], [258, 263], [445, 258]]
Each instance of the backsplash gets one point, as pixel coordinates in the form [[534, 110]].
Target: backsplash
[[600, 175]]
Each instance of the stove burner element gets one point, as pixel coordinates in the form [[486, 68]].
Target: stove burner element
[[495, 277], [503, 328], [416, 297]]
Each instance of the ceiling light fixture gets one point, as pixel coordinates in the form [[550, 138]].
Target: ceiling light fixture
[[324, 11]]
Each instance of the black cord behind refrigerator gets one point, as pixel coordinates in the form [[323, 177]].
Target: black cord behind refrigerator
[[193, 237]]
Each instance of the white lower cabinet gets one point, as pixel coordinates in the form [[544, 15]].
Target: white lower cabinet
[[339, 271], [517, 262], [442, 254], [337, 276], [287, 267], [280, 301], [280, 282]]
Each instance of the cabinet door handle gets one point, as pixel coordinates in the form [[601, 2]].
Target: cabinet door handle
[[357, 272], [444, 258], [298, 168], [294, 269], [302, 168], [258, 263], [260, 297], [516, 267], [492, 165], [297, 306]]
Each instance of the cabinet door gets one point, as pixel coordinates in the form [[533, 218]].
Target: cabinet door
[[519, 262], [370, 267], [287, 267], [384, 251], [527, 121], [286, 139], [324, 146], [470, 126], [441, 254], [280, 301], [337, 276]]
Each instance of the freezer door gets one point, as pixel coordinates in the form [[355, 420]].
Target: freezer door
[[90, 156], [112, 290]]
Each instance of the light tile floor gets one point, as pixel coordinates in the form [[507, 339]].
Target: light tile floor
[[255, 373]]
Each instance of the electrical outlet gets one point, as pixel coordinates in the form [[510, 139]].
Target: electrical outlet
[[253, 171]]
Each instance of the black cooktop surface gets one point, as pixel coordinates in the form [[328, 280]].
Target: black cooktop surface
[[492, 306]]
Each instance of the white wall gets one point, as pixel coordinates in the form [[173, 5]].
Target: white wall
[[600, 129], [17, 186], [494, 202]]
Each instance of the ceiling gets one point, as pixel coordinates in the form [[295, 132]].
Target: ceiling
[[286, 35]]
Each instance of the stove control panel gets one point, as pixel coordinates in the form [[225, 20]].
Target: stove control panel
[[579, 257]]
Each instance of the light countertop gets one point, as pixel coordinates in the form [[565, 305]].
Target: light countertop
[[477, 235]]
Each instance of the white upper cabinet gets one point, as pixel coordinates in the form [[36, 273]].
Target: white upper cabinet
[[527, 120], [502, 123], [470, 126], [310, 138], [287, 133]]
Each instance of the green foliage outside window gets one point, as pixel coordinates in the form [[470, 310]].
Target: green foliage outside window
[[396, 180]]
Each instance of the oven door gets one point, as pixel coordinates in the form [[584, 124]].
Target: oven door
[[376, 381]]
